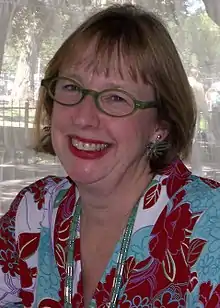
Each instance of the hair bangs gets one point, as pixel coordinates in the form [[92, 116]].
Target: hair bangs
[[106, 52]]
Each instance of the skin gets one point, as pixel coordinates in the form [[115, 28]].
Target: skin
[[117, 178], [125, 163]]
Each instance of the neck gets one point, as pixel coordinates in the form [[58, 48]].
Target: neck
[[112, 206]]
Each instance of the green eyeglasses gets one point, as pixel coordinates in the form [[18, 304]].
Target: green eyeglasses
[[113, 102]]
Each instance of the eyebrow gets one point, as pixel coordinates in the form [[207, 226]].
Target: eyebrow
[[108, 85], [71, 76]]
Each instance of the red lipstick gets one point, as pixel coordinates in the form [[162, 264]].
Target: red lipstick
[[87, 154]]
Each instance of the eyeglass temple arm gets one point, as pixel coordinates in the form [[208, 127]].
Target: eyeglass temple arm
[[144, 105]]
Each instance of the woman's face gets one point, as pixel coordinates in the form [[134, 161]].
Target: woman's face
[[116, 145]]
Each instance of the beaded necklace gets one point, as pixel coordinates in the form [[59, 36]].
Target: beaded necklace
[[122, 256]]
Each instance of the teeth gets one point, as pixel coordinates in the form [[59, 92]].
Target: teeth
[[88, 146]]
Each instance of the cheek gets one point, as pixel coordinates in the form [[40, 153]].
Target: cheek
[[55, 117], [58, 128], [130, 134], [55, 138], [145, 125], [59, 118]]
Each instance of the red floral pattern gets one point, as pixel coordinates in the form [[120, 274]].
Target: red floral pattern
[[27, 274], [38, 191], [210, 295], [157, 277], [9, 262], [211, 183], [166, 301], [28, 244], [49, 303], [103, 290], [61, 235], [152, 195], [168, 225], [193, 281], [178, 176], [27, 298], [77, 300]]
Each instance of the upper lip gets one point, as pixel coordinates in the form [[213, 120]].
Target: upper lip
[[87, 140]]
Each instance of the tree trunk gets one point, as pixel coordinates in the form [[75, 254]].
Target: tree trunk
[[7, 9]]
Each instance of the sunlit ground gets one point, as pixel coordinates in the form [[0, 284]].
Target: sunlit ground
[[15, 175]]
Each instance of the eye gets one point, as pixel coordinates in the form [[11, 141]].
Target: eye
[[117, 98], [67, 85], [71, 87]]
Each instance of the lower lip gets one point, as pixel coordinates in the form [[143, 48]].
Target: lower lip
[[87, 154]]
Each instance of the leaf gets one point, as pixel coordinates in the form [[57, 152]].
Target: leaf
[[60, 256], [169, 266], [61, 242], [193, 281], [184, 250], [195, 249], [215, 298], [152, 195], [128, 268], [205, 291], [64, 230], [194, 219], [28, 244]]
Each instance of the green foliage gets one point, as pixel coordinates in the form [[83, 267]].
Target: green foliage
[[198, 42], [40, 30]]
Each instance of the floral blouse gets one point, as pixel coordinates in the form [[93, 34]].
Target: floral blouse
[[173, 259]]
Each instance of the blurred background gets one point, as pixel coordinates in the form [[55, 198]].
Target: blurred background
[[32, 30]]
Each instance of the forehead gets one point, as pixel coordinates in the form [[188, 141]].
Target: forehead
[[88, 75], [102, 58]]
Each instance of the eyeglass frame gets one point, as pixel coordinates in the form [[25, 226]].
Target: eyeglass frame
[[138, 104]]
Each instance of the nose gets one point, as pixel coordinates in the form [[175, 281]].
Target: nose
[[86, 113]]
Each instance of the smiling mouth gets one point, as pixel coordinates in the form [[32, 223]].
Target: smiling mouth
[[87, 146]]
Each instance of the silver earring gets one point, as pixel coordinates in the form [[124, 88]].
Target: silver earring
[[46, 129], [156, 149], [46, 134]]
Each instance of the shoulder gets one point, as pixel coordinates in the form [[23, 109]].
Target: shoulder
[[45, 187], [33, 202], [204, 183], [204, 242], [202, 193], [194, 198], [41, 190], [181, 187], [203, 198]]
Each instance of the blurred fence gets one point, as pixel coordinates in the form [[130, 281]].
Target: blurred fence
[[19, 165]]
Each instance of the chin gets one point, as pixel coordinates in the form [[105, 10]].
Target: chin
[[83, 179], [86, 171], [80, 174]]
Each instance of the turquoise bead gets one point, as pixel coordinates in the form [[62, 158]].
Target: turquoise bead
[[68, 287]]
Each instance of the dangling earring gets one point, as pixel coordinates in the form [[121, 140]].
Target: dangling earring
[[46, 134], [156, 149], [46, 129]]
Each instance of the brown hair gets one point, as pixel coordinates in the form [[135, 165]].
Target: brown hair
[[141, 39]]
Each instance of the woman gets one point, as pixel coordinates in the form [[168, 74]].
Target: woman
[[130, 226]]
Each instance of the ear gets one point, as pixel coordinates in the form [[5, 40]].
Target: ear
[[162, 131]]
